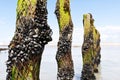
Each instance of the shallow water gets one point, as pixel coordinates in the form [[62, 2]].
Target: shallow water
[[109, 68]]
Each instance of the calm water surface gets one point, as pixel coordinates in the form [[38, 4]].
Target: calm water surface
[[109, 68]]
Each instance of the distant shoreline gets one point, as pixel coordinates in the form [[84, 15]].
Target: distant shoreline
[[3, 49]]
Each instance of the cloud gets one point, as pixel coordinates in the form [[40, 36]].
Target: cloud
[[4, 43], [110, 34]]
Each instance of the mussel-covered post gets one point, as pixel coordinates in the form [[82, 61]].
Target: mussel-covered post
[[97, 48], [63, 56], [31, 35], [90, 48]]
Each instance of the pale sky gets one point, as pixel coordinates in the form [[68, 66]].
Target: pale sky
[[105, 12]]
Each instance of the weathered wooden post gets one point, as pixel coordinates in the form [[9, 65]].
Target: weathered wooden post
[[97, 48], [63, 56], [90, 48], [31, 35]]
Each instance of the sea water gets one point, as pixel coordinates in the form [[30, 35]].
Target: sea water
[[109, 69]]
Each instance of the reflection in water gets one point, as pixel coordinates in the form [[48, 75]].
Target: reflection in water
[[98, 75]]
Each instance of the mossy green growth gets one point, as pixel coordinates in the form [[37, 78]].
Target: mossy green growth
[[29, 72], [64, 15], [60, 62], [87, 57], [96, 37], [26, 73], [25, 7], [86, 23], [14, 73], [96, 34]]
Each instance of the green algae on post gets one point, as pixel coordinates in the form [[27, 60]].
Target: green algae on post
[[63, 56], [90, 48], [31, 35]]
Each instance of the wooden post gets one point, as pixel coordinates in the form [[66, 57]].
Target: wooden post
[[97, 48], [63, 56], [31, 35], [90, 48]]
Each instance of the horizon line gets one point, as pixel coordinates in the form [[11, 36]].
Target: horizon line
[[76, 45]]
